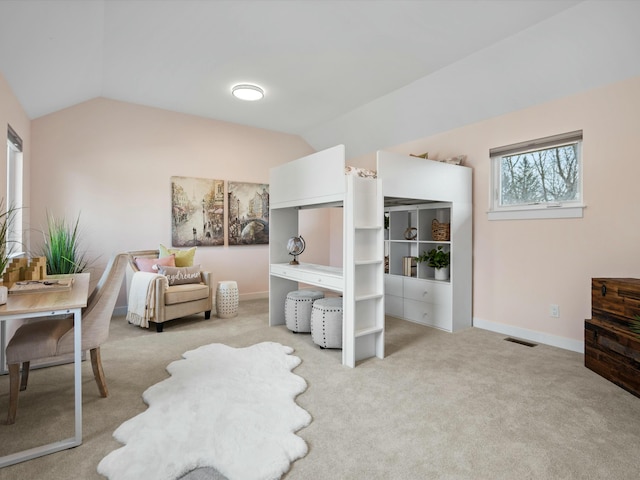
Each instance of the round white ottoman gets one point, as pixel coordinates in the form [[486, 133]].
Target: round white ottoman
[[227, 299], [297, 309], [326, 322]]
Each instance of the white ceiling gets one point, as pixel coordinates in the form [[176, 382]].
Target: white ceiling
[[318, 61]]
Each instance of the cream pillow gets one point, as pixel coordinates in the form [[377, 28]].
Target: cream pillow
[[181, 275]]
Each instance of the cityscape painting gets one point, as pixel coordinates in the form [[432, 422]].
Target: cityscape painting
[[197, 212], [248, 210]]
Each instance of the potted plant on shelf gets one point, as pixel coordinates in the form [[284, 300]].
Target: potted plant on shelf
[[439, 259]]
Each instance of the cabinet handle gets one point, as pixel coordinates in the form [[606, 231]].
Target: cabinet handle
[[604, 289]]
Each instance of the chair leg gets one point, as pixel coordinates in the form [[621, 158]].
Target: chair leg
[[14, 380], [25, 375], [98, 373]]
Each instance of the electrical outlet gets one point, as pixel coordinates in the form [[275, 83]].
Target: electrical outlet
[[554, 311]]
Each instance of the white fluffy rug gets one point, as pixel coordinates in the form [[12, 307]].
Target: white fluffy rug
[[232, 409]]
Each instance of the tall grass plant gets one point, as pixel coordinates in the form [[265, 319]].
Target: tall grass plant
[[62, 247]]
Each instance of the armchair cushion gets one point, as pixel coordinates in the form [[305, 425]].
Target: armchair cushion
[[151, 265], [184, 258], [181, 275], [186, 293]]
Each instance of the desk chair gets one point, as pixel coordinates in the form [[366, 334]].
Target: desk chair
[[51, 338]]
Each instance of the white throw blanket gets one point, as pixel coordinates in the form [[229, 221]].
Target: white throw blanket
[[142, 298]]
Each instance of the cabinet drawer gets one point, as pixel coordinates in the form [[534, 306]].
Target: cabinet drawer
[[616, 299], [393, 306], [393, 285], [431, 314], [613, 353], [426, 291]]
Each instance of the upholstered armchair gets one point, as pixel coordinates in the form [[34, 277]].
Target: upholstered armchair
[[170, 301]]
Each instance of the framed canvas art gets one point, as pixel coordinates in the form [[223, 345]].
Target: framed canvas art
[[197, 212], [248, 210]]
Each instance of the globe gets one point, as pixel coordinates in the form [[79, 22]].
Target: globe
[[295, 246]]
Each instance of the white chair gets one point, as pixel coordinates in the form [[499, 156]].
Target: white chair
[[50, 338], [326, 322], [297, 309]]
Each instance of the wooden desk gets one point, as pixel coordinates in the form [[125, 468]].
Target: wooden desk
[[29, 305]]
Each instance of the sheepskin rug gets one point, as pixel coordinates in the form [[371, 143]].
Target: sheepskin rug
[[232, 409]]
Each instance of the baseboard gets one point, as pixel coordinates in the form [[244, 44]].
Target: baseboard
[[122, 310], [530, 335], [253, 296]]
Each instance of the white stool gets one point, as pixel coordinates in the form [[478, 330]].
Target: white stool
[[297, 309], [227, 299], [326, 322]]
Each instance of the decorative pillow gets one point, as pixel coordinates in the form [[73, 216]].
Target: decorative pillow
[[181, 275], [184, 258], [146, 264]]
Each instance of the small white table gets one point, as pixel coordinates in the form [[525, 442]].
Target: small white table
[[30, 305]]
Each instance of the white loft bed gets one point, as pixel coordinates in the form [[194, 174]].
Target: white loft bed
[[317, 181]]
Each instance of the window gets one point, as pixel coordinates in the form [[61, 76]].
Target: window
[[537, 179], [14, 191]]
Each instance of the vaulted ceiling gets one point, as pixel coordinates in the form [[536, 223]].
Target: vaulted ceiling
[[326, 66]]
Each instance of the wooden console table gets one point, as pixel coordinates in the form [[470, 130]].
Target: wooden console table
[[611, 349]]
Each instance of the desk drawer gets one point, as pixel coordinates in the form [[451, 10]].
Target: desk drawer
[[320, 279]]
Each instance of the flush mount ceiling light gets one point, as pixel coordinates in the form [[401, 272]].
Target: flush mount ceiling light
[[247, 92]]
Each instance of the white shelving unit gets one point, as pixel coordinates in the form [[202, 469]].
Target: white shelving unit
[[318, 181], [416, 191]]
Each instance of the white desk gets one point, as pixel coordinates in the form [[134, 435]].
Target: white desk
[[31, 305]]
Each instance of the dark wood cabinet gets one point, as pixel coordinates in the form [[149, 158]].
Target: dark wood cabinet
[[611, 349]]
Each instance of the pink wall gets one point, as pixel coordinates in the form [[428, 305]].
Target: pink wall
[[521, 267], [112, 162]]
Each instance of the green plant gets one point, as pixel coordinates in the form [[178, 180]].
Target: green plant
[[62, 247], [436, 257], [6, 243]]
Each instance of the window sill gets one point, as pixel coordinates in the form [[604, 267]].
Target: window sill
[[537, 213]]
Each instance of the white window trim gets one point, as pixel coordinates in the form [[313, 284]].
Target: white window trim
[[534, 211], [537, 212]]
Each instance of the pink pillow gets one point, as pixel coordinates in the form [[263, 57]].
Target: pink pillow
[[150, 265]]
